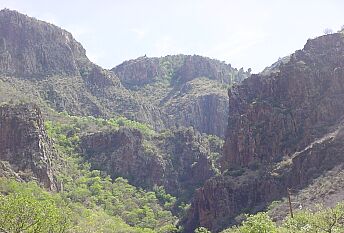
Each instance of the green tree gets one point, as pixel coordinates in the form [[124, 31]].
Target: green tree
[[21, 212], [258, 223], [324, 220]]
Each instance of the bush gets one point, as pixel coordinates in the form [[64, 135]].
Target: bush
[[27, 208], [330, 220]]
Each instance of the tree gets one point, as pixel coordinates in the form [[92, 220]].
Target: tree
[[328, 220], [22, 212], [258, 223]]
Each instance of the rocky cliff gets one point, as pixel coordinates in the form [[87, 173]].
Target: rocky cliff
[[284, 130], [179, 160], [29, 47], [26, 152]]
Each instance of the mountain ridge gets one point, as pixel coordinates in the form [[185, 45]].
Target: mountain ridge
[[51, 63]]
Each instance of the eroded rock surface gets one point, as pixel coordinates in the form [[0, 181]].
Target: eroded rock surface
[[25, 149]]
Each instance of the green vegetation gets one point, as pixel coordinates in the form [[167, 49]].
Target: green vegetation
[[95, 189], [83, 124], [321, 220], [114, 204], [27, 208], [259, 223], [216, 147], [167, 200]]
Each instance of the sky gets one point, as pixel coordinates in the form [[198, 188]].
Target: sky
[[245, 33]]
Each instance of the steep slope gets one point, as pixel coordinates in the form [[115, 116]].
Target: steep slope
[[284, 130], [176, 69], [187, 90], [26, 153]]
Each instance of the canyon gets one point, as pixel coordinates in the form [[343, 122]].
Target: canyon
[[223, 140]]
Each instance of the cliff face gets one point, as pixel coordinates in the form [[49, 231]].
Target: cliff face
[[44, 63], [179, 160], [200, 103], [273, 116], [139, 72], [284, 130], [25, 150], [197, 66], [56, 53]]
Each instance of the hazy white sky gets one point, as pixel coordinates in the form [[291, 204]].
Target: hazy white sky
[[246, 33]]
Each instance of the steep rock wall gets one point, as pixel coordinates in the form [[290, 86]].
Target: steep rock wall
[[24, 144]]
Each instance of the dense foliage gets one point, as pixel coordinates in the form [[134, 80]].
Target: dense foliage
[[27, 208], [115, 205], [78, 124], [321, 220]]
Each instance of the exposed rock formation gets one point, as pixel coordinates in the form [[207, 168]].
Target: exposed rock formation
[[25, 150], [177, 69], [273, 116], [29, 47], [287, 124], [179, 161], [200, 103], [221, 199], [139, 72], [198, 66]]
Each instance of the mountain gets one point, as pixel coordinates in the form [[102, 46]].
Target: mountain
[[44, 63], [187, 90], [284, 130]]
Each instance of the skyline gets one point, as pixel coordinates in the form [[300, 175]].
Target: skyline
[[248, 34]]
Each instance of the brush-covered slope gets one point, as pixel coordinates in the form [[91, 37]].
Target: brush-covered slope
[[34, 154]]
